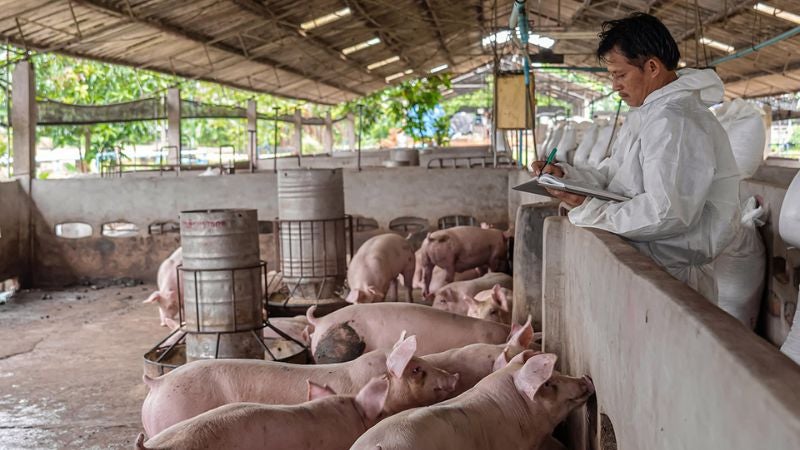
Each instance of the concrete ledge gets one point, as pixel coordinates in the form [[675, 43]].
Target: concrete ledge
[[672, 370]]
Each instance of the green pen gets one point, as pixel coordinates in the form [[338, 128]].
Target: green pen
[[551, 157]]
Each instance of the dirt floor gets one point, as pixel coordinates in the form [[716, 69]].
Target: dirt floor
[[71, 366]]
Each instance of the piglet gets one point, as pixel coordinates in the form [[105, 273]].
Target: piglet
[[349, 332], [327, 421], [199, 386], [452, 297], [462, 248], [493, 304], [167, 294], [516, 407], [439, 274], [375, 267]]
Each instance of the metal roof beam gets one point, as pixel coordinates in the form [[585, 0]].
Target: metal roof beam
[[733, 10], [427, 10], [203, 39], [394, 44]]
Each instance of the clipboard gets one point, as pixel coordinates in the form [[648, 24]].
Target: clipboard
[[538, 184]]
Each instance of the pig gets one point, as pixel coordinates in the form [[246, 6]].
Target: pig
[[437, 279], [167, 294], [203, 385], [327, 421], [375, 268], [516, 407], [348, 332], [493, 304], [475, 361], [452, 296], [463, 248]]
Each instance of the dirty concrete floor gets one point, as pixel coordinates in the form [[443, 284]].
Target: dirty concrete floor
[[71, 367]]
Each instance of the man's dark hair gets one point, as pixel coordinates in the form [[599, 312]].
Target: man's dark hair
[[639, 37]]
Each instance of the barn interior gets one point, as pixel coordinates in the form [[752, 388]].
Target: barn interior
[[306, 188]]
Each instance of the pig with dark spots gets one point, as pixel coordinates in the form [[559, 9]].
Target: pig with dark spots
[[459, 249], [376, 266], [166, 297], [203, 385], [516, 407], [452, 297], [376, 324], [327, 421]]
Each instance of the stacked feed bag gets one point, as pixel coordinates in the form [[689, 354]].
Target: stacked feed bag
[[552, 140], [744, 123], [581, 158], [740, 270], [789, 228], [601, 146], [568, 141]]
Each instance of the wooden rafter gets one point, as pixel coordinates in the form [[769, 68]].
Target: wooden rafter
[[260, 10], [394, 44], [200, 38], [430, 14]]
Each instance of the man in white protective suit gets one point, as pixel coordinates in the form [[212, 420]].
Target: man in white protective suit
[[671, 157]]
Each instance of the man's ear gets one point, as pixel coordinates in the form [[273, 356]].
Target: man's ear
[[653, 67]]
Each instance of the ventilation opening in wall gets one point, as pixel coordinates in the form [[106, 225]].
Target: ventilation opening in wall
[[120, 229], [365, 223], [163, 228], [7, 289], [73, 230], [264, 227]]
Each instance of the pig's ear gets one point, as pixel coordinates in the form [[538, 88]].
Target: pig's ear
[[306, 335], [316, 391], [153, 297], [355, 296], [521, 335], [500, 298], [400, 341], [172, 324], [375, 294], [469, 300], [501, 360], [397, 361], [522, 357], [372, 397], [536, 371]]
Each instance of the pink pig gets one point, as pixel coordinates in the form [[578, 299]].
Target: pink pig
[[459, 249], [349, 332], [375, 267], [203, 385], [327, 421], [439, 275], [167, 294], [515, 407], [452, 297], [493, 304]]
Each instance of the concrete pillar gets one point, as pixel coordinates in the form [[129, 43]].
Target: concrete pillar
[[327, 135], [528, 249], [174, 125], [350, 131], [23, 124], [297, 139], [553, 289], [252, 133], [768, 125]]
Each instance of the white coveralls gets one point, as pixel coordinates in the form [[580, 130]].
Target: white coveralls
[[674, 159]]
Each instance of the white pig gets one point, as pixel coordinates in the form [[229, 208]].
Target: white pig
[[327, 421], [200, 386], [452, 296], [492, 304], [516, 407], [375, 267], [167, 294]]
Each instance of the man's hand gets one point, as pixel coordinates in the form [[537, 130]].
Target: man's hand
[[567, 197], [539, 167]]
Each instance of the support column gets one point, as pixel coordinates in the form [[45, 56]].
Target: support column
[[297, 140], [327, 135], [174, 125], [252, 134], [350, 131], [23, 124], [768, 126]]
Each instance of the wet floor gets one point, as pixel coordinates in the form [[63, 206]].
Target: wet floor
[[71, 367]]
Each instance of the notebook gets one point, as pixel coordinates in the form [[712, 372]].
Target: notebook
[[537, 186]]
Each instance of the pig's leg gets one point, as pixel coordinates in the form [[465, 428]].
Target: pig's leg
[[409, 285], [394, 290], [428, 275]]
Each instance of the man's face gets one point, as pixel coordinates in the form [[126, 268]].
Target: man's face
[[630, 81]]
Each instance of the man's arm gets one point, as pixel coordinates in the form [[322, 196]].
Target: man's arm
[[678, 167]]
